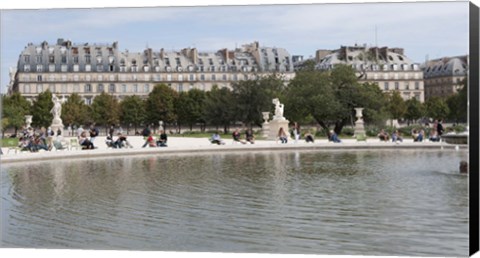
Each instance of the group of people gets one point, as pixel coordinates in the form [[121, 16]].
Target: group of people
[[34, 140], [150, 140]]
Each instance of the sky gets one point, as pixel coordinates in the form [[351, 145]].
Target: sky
[[424, 29]]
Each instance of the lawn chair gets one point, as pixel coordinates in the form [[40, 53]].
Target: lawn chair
[[361, 137], [11, 144], [74, 143]]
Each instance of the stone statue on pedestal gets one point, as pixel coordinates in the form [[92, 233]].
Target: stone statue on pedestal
[[57, 112]]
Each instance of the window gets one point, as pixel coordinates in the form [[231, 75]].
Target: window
[[40, 68], [100, 77], [180, 77], [39, 88], [64, 88], [75, 78], [76, 68], [169, 77], [180, 87], [146, 88], [99, 68], [397, 85], [26, 88], [26, 58], [88, 88], [64, 59], [202, 77], [88, 77], [147, 77], [75, 59], [26, 68], [135, 88], [51, 59], [157, 77], [76, 88], [191, 77], [51, 68], [112, 77], [417, 85], [39, 78], [64, 77], [407, 87], [88, 59], [385, 86], [214, 77], [39, 59], [51, 87], [100, 88], [235, 77], [124, 88], [64, 68], [111, 88], [224, 77]]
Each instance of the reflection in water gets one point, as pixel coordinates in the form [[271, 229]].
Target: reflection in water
[[336, 202]]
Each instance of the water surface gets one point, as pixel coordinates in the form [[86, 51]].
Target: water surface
[[392, 202]]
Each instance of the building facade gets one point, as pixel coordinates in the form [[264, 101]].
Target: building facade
[[444, 76], [90, 69], [389, 68]]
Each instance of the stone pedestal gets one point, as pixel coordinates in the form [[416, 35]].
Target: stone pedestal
[[275, 125], [359, 124], [57, 124]]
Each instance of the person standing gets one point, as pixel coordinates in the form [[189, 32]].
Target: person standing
[[439, 128], [93, 132]]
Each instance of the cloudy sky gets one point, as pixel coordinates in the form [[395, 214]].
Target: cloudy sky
[[423, 29]]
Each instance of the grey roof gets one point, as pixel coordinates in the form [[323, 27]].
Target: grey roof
[[447, 66]]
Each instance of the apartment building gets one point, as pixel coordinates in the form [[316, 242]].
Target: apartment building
[[388, 67], [444, 76], [89, 69]]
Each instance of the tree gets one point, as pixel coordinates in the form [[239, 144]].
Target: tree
[[415, 110], [75, 111], [15, 108], [255, 96], [330, 97], [396, 105], [105, 109], [160, 105], [41, 110], [220, 107], [132, 111], [436, 108], [458, 104], [189, 107]]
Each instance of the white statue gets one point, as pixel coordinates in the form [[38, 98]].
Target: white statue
[[278, 109], [57, 107]]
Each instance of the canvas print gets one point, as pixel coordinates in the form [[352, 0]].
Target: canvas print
[[323, 128]]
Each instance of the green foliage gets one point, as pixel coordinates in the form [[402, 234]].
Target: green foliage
[[457, 104], [436, 108], [75, 111], [132, 110], [255, 96], [160, 105], [105, 109], [189, 106], [415, 109], [42, 117], [396, 105], [15, 108], [220, 106]]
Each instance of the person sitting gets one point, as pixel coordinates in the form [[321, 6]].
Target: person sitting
[[308, 137], [383, 136], [216, 139], [162, 141], [84, 141], [282, 136], [122, 142], [334, 137], [236, 137], [434, 136], [396, 137], [249, 136], [150, 141], [417, 135]]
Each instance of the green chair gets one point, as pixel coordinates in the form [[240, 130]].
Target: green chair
[[361, 137], [11, 144], [74, 143]]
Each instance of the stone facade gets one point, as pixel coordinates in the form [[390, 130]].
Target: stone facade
[[389, 68], [89, 69], [443, 77]]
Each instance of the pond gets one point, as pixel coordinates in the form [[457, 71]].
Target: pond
[[388, 202]]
